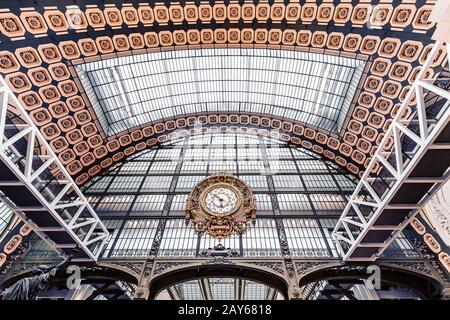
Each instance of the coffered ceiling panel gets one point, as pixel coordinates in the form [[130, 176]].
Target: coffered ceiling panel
[[43, 41]]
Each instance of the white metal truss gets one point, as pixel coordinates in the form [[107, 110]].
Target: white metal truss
[[360, 234], [37, 187]]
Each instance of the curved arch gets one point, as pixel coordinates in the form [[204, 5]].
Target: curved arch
[[424, 285], [135, 140], [182, 274], [89, 273], [39, 71]]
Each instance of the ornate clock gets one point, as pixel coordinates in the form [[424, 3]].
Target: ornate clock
[[221, 205]]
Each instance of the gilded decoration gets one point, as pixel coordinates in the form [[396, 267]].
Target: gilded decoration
[[221, 205]]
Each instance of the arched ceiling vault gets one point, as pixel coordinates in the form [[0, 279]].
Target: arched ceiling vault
[[43, 41]]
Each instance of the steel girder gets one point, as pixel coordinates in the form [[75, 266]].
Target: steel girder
[[409, 165], [36, 186]]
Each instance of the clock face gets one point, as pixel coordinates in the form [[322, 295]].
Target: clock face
[[221, 201]]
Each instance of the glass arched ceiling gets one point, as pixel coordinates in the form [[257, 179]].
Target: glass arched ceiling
[[311, 88], [5, 218], [218, 288], [296, 192]]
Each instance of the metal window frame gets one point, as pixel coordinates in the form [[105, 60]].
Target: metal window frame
[[236, 143], [103, 88]]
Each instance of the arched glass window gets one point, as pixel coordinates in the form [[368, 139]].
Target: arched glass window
[[215, 288], [295, 189], [299, 195], [6, 216]]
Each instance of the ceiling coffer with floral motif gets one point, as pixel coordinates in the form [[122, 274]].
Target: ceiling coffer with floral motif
[[43, 44]]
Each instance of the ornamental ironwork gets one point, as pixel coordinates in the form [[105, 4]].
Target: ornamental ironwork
[[221, 205]]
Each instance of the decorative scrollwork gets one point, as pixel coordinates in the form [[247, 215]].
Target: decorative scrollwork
[[272, 265], [229, 218], [160, 267], [132, 266], [305, 267], [420, 267]]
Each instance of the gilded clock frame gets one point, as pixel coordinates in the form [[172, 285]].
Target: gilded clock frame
[[220, 226]]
